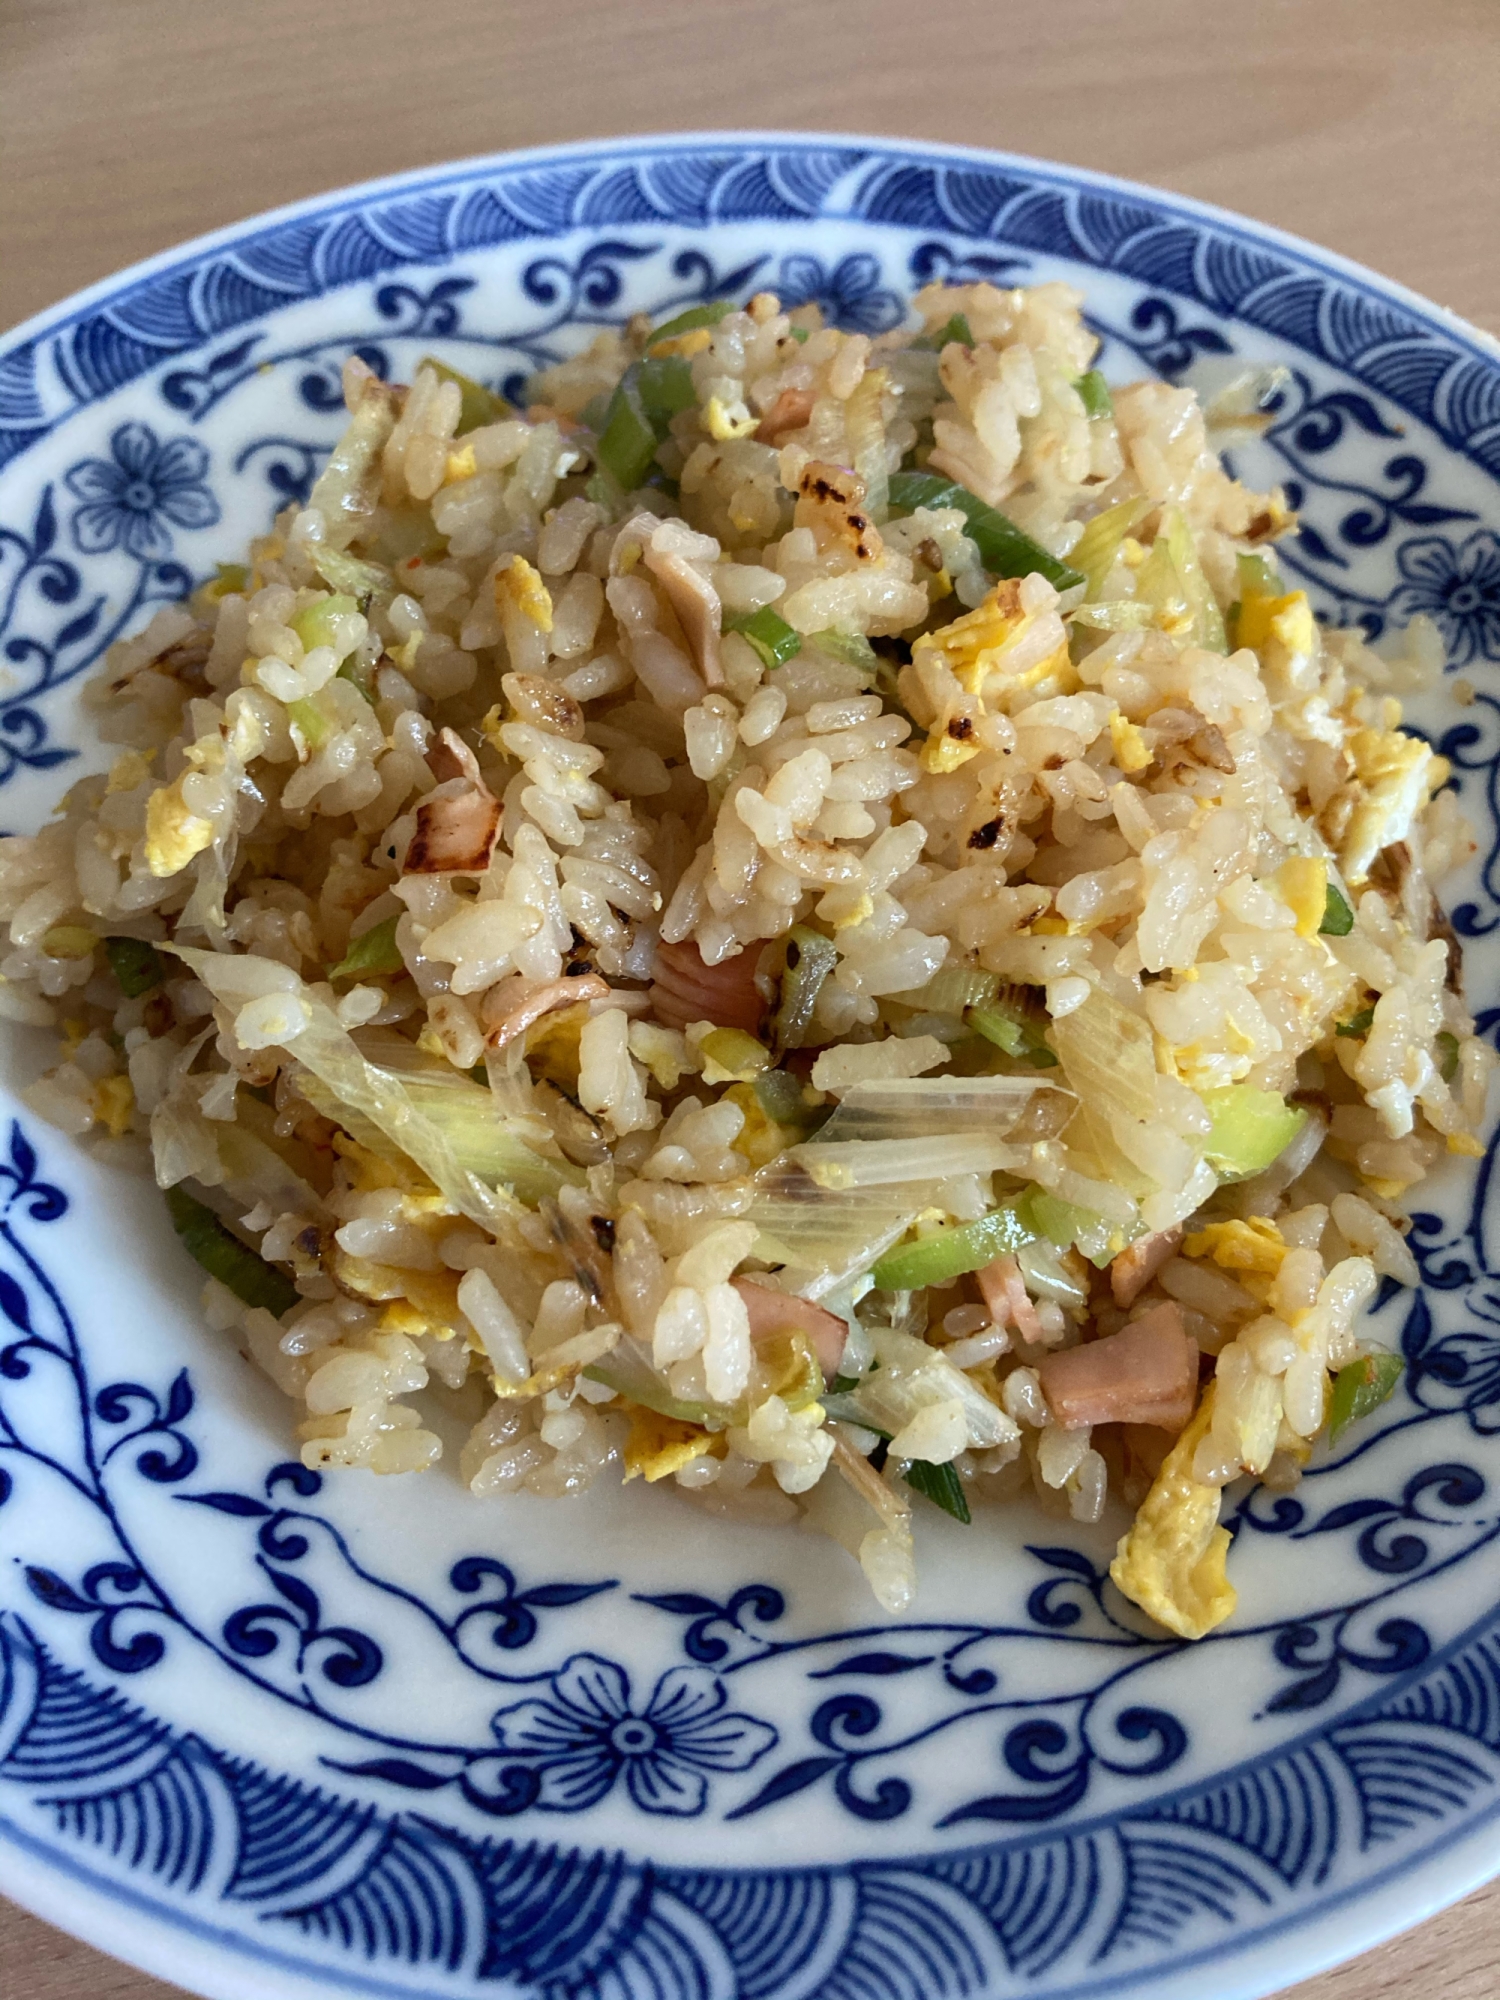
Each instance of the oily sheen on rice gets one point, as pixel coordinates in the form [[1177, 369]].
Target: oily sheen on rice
[[807, 919]]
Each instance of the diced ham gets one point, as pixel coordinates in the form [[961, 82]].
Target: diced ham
[[772, 1312], [684, 989], [1137, 1265], [1003, 1290], [507, 1011], [1147, 1373]]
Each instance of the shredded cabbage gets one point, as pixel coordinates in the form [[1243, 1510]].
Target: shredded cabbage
[[446, 1125]]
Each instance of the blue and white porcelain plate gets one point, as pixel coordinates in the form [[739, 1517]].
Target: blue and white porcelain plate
[[271, 1733]]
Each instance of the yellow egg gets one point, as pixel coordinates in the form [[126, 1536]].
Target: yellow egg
[[1171, 1562], [658, 1446], [1254, 1246], [174, 833]]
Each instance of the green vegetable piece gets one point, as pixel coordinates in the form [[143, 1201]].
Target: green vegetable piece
[[373, 952], [1096, 548], [477, 405], [1251, 1129], [223, 1256], [1360, 1389], [231, 577], [1208, 620], [1338, 918], [705, 315], [627, 444], [650, 393], [313, 624], [666, 383], [949, 1253], [942, 1486], [1093, 393], [735, 1056], [853, 648], [775, 642], [356, 579], [1003, 549], [957, 328], [1358, 1024], [809, 959], [1448, 1049], [310, 719], [1068, 1227], [801, 334], [135, 964], [1257, 577], [1014, 1034]]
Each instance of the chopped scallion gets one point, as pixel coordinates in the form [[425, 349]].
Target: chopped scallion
[[1012, 1033], [1003, 548], [853, 648], [1448, 1051], [1360, 1389], [774, 641], [1358, 1024], [373, 952], [477, 405], [1093, 393], [135, 964], [810, 957], [708, 314], [942, 1486], [1338, 917], [223, 1256], [950, 1253]]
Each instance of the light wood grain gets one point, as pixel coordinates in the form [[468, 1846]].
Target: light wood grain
[[1367, 125]]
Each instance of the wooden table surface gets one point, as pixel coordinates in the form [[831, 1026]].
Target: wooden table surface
[[1367, 125]]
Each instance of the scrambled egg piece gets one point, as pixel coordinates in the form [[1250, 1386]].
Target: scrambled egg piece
[[658, 1446], [1171, 1562], [1282, 630], [114, 1101], [1131, 753], [174, 833], [974, 647], [1255, 1245], [724, 425], [1302, 884], [694, 341], [761, 1139], [1401, 773], [520, 592], [461, 464]]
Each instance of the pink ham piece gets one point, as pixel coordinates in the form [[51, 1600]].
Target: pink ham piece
[[1136, 1266], [684, 989], [772, 1312], [1147, 1373], [1004, 1292]]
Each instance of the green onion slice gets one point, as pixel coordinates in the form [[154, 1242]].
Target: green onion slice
[[1338, 917], [375, 952], [1003, 548], [708, 314], [1360, 1389], [477, 405], [775, 642], [223, 1256], [942, 1486], [135, 964], [1093, 393], [950, 1253]]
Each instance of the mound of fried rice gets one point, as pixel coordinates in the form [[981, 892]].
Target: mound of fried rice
[[810, 919]]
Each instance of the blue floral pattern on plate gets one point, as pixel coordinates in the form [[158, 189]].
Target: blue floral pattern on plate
[[469, 1751]]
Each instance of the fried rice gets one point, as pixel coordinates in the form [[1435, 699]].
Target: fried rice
[[810, 919]]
